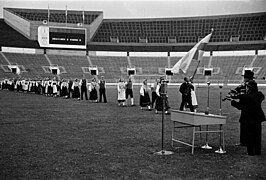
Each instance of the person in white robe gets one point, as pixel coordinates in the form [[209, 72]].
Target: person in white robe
[[193, 95], [54, 86], [121, 90]]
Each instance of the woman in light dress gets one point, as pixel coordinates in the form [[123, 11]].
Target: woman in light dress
[[121, 90]]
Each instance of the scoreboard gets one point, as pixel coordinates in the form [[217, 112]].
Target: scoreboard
[[62, 37]]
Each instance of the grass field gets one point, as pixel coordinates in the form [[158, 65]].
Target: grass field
[[54, 138]]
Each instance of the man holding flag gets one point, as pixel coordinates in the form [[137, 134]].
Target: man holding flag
[[195, 53]]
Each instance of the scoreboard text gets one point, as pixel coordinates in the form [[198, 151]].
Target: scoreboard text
[[62, 37]]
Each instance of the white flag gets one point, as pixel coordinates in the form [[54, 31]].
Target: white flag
[[195, 53], [18, 71]]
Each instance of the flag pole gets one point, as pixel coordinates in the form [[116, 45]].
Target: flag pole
[[199, 62], [48, 14], [195, 71], [83, 17], [66, 14]]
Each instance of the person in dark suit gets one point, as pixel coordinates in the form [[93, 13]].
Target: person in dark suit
[[185, 90], [251, 116], [240, 90], [83, 88], [102, 90]]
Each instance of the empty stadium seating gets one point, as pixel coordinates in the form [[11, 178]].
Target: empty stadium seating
[[114, 66], [150, 65], [260, 62], [32, 63], [228, 68], [248, 27], [72, 65], [4, 68], [58, 16]]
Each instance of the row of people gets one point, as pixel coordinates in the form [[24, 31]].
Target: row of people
[[145, 100], [76, 89]]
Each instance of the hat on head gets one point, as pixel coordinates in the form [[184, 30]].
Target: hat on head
[[249, 75], [252, 84]]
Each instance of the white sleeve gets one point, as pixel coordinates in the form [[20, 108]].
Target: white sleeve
[[141, 91], [158, 89]]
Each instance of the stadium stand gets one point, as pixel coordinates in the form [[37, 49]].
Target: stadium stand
[[150, 65], [228, 67], [59, 16], [260, 62], [72, 65], [231, 33], [4, 70], [248, 27], [31, 62], [114, 67]]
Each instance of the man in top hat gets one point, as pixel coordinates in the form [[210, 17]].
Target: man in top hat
[[251, 116], [248, 75], [241, 90]]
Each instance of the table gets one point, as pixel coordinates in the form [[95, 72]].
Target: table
[[184, 119]]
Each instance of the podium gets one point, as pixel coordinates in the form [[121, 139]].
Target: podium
[[184, 119]]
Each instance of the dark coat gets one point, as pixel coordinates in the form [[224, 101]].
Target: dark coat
[[185, 88], [250, 106]]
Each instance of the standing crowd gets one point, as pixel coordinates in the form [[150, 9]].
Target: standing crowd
[[75, 89], [94, 90], [246, 97], [125, 90]]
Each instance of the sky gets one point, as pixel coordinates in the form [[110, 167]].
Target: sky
[[130, 9]]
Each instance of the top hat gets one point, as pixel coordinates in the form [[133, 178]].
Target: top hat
[[252, 84], [249, 74]]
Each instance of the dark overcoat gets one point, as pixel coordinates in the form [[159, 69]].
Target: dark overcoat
[[250, 106]]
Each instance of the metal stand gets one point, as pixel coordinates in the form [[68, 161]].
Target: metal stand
[[206, 146], [208, 99], [220, 86], [163, 94], [220, 150]]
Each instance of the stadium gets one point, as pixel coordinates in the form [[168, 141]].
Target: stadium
[[56, 138]]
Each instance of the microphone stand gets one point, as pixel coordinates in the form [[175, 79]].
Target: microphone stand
[[163, 95], [220, 150], [206, 146]]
